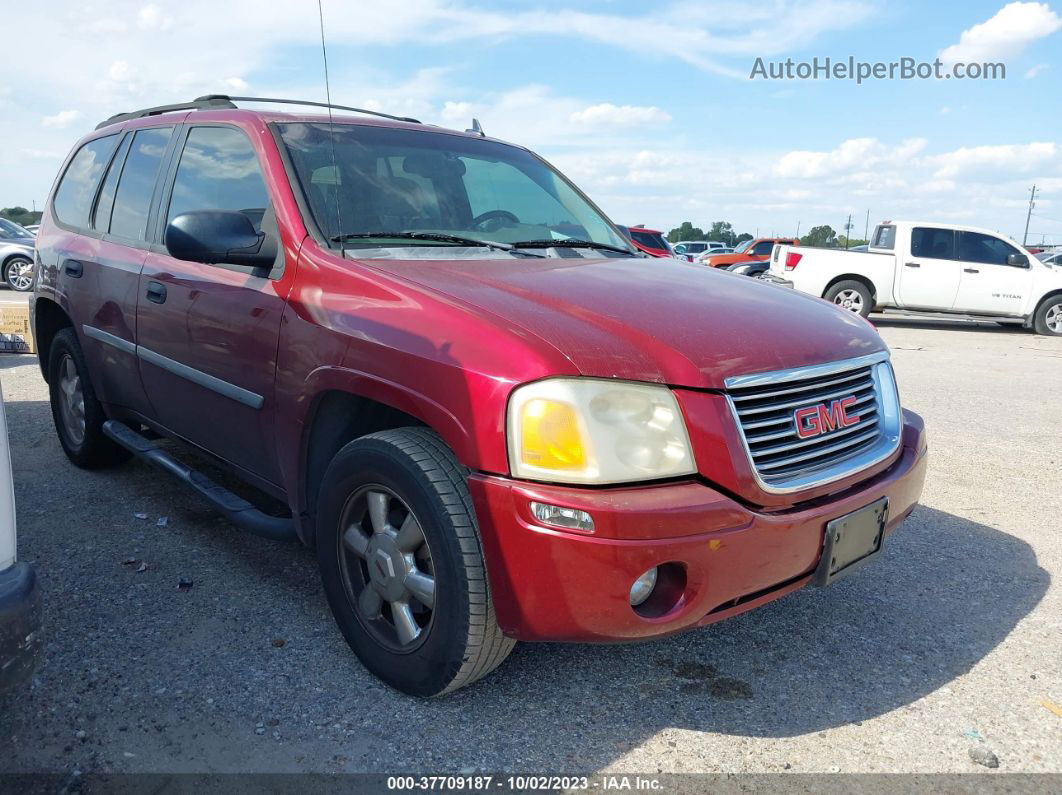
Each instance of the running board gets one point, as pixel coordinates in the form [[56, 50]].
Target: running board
[[236, 509]]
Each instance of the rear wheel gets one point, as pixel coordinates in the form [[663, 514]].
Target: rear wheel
[[18, 273], [402, 564], [1048, 320], [77, 414], [851, 295]]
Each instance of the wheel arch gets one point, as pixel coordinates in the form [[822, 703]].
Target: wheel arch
[[48, 320], [335, 418]]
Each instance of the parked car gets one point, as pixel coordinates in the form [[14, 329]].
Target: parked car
[[749, 251], [702, 257], [16, 256], [690, 249], [1050, 258], [920, 266], [21, 642], [489, 429], [32, 228], [650, 241]]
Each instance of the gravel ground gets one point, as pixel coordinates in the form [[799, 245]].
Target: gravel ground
[[948, 648]]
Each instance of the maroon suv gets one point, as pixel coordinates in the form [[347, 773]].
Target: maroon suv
[[490, 419]]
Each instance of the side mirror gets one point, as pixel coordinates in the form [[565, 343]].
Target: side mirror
[[218, 236], [1018, 260]]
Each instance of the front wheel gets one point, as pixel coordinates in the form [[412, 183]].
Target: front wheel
[[851, 295], [1048, 320], [18, 273], [402, 564]]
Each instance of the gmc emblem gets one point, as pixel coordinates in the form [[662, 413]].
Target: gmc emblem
[[815, 420]]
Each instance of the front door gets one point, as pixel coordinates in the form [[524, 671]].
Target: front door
[[928, 276], [208, 334], [988, 284]]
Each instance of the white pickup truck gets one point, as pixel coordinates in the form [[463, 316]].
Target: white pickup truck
[[926, 267]]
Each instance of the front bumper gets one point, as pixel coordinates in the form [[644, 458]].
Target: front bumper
[[21, 642], [557, 585]]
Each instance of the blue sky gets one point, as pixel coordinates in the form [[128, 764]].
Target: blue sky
[[648, 107]]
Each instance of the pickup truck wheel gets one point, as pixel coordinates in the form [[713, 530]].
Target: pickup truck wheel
[[77, 414], [402, 564], [851, 295], [1048, 320]]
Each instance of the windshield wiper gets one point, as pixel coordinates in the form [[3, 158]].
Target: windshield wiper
[[439, 237], [569, 243]]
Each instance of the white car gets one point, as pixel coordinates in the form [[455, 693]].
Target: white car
[[21, 643], [928, 267]]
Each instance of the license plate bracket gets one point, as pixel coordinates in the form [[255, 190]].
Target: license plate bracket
[[851, 541]]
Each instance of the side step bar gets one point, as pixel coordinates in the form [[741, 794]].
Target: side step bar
[[236, 509]]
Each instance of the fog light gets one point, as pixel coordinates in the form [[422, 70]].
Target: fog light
[[568, 518], [642, 587]]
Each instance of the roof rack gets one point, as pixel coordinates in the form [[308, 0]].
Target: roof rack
[[223, 101]]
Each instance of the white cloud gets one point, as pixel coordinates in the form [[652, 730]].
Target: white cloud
[[1007, 33], [63, 118], [150, 17], [608, 115], [853, 153], [1034, 71], [1004, 161]]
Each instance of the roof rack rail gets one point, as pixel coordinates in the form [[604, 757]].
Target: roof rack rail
[[202, 103], [216, 101]]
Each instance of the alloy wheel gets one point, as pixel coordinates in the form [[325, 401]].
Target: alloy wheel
[[850, 300], [71, 400], [1053, 319], [387, 568], [20, 274]]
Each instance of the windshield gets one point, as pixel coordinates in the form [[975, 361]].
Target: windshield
[[11, 229], [742, 246], [398, 181]]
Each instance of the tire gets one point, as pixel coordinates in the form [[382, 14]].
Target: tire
[[851, 295], [18, 274], [76, 400], [1048, 318], [410, 475]]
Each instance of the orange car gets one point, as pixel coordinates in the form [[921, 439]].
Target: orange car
[[749, 251]]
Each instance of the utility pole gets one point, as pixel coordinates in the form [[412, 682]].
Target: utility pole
[[866, 229], [798, 230], [847, 231], [1032, 203]]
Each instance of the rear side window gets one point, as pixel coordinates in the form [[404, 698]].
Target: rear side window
[[764, 247], [132, 201], [927, 241], [73, 198], [219, 171], [884, 237], [101, 216]]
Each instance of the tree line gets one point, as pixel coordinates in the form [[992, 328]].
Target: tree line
[[21, 216], [822, 236]]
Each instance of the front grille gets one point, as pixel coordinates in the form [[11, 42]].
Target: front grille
[[768, 407]]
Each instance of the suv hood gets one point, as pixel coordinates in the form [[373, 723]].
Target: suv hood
[[664, 321]]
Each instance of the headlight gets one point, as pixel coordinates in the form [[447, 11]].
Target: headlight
[[576, 430]]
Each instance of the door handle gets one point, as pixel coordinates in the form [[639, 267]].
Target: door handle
[[912, 265], [156, 292], [970, 270], [73, 268]]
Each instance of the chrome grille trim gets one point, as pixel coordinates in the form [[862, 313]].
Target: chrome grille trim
[[781, 461]]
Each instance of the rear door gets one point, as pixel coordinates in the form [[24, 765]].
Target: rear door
[[98, 268], [987, 283], [208, 334], [928, 276]]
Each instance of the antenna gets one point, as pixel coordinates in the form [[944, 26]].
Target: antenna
[[331, 128], [476, 129]]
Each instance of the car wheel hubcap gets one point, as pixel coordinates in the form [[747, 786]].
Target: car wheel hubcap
[[388, 569], [1054, 319], [850, 300], [20, 274], [71, 400]]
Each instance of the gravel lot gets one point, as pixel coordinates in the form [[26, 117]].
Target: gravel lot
[[952, 643]]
